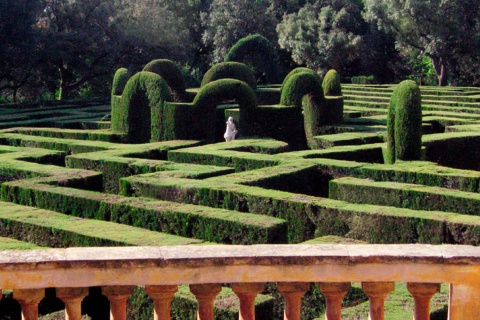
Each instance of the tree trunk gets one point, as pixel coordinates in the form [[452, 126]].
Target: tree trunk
[[440, 70]]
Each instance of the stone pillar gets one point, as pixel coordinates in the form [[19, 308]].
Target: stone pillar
[[162, 297], [377, 292], [205, 294], [464, 301], [247, 292], [29, 300], [293, 293], [422, 293], [334, 293], [72, 297], [118, 295]]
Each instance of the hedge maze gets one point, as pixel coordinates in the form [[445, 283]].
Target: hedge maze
[[149, 167]]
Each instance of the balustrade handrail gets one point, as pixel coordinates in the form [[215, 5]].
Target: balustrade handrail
[[217, 264]]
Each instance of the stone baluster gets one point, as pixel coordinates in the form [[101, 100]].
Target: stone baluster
[[334, 293], [247, 292], [293, 293], [464, 301], [377, 292], [205, 294], [162, 297], [118, 295], [422, 293], [29, 300], [72, 297]]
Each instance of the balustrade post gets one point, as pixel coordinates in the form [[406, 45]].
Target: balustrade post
[[118, 295], [422, 293], [334, 293], [162, 297], [29, 300], [72, 297], [377, 292], [205, 294], [293, 293], [247, 292], [464, 301]]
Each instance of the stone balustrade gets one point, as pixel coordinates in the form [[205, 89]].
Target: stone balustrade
[[160, 269]]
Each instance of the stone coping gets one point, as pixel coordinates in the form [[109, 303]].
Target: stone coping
[[107, 266], [224, 255]]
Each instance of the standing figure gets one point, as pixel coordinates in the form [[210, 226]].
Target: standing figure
[[231, 130]]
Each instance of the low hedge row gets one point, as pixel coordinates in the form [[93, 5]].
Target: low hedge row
[[52, 229], [198, 222], [402, 195]]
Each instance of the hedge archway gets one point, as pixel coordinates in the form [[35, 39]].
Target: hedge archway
[[216, 92], [172, 75], [140, 112], [265, 57]]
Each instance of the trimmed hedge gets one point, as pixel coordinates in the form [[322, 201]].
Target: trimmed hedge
[[214, 93], [230, 70], [298, 85], [120, 79], [404, 123], [262, 53], [331, 84], [140, 116], [402, 195], [172, 75], [363, 80], [51, 229]]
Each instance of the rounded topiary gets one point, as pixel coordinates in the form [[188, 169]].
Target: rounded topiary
[[172, 75], [298, 70], [404, 123], [331, 84], [265, 55], [140, 114], [298, 85], [119, 81], [214, 93], [230, 70]]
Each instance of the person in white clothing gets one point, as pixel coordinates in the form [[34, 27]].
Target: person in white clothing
[[231, 130]]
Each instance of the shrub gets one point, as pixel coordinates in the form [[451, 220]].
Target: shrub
[[331, 84], [264, 57], [172, 75], [216, 92], [298, 70], [363, 80], [298, 85], [140, 113], [404, 123], [232, 70], [119, 81]]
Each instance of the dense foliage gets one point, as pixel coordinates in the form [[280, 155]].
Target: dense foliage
[[69, 49]]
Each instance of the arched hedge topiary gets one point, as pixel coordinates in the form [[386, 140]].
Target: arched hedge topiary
[[214, 93], [298, 85], [298, 70], [404, 123], [230, 70], [172, 75], [140, 115], [119, 81], [331, 84], [265, 55]]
